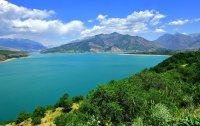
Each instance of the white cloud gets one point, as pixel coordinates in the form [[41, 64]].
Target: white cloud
[[159, 30], [17, 21], [41, 26], [90, 21], [94, 31], [178, 22], [142, 16], [101, 17], [184, 33], [11, 11], [156, 19], [134, 23]]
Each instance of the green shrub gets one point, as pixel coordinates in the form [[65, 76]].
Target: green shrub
[[39, 112], [22, 116], [37, 115], [65, 103], [77, 99], [189, 120], [64, 119], [160, 115], [36, 120], [51, 107]]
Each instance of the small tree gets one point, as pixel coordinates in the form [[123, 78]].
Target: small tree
[[61, 102], [38, 114], [22, 116], [39, 111], [65, 103]]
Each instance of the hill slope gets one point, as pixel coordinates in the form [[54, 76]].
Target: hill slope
[[21, 44], [5, 55], [179, 41], [113, 42]]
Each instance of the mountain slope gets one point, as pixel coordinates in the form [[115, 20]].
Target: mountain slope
[[179, 41], [21, 44], [113, 42], [195, 36]]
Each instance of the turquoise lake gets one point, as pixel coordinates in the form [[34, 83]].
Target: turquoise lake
[[43, 78]]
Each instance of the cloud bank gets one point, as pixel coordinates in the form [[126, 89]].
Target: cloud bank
[[137, 22], [16, 20]]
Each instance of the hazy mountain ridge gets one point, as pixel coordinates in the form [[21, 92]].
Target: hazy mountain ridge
[[113, 42], [179, 41], [21, 44]]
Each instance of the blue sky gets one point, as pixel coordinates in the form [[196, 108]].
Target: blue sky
[[56, 22]]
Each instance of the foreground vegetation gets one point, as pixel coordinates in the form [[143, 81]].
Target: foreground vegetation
[[6, 54], [167, 94]]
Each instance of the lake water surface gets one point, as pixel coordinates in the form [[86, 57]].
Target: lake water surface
[[42, 79]]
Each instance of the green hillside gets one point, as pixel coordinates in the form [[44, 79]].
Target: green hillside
[[5, 54], [167, 94]]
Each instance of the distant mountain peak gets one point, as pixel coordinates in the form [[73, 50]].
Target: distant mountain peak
[[115, 33], [179, 41], [177, 33], [166, 34]]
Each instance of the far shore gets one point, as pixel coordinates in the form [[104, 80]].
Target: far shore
[[145, 54], [14, 58], [81, 52], [119, 53]]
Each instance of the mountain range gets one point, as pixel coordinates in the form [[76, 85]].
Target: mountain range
[[179, 41], [113, 42], [116, 42], [20, 44]]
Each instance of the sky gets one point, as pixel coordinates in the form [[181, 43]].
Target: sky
[[57, 22]]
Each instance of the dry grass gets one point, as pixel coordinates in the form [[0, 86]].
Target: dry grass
[[24, 123], [48, 120], [197, 112], [75, 106]]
